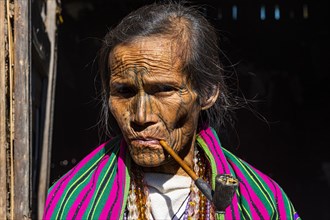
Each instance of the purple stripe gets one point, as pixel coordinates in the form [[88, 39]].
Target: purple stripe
[[58, 189]]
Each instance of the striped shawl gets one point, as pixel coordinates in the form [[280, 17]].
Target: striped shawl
[[98, 186]]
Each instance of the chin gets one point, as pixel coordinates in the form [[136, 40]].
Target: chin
[[147, 155], [149, 164]]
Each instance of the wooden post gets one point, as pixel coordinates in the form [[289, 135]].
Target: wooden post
[[18, 134], [3, 116], [20, 193], [51, 27]]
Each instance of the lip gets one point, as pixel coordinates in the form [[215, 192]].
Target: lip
[[148, 142]]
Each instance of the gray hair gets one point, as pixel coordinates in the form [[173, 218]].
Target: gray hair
[[199, 45]]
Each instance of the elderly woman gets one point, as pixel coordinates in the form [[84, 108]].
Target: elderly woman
[[162, 80]]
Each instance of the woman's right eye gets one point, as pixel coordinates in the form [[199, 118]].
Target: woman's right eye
[[125, 91]]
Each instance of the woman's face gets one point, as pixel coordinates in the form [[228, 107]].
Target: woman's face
[[151, 99]]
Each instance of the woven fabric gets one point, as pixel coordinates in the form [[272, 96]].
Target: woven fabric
[[258, 196], [97, 187]]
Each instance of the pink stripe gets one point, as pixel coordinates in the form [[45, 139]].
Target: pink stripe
[[249, 191], [88, 190], [276, 191], [64, 182], [280, 204], [206, 135], [117, 191], [245, 194], [216, 150], [229, 211]]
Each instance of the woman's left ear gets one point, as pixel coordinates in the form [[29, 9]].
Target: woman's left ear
[[210, 99]]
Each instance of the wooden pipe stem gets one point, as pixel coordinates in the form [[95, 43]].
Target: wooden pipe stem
[[176, 157]]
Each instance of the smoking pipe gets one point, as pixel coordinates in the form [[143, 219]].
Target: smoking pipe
[[225, 184]]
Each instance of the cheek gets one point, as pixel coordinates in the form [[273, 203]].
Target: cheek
[[119, 111], [188, 118], [169, 110], [186, 110]]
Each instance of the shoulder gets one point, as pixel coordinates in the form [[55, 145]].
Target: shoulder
[[81, 179], [259, 194], [90, 161]]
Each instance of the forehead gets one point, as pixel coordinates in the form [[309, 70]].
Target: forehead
[[148, 52]]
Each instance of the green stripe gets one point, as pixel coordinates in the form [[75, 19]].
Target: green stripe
[[240, 205], [254, 182], [74, 194], [232, 172], [111, 168], [90, 166], [270, 197], [106, 182], [210, 157], [287, 204], [127, 186], [91, 205], [216, 136], [263, 186], [246, 208], [80, 174]]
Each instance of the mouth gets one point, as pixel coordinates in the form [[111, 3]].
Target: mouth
[[146, 142]]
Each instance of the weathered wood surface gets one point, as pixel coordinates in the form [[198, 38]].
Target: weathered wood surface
[[51, 27], [3, 106], [22, 108], [16, 110]]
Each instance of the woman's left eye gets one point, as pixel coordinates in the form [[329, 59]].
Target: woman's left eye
[[161, 90], [166, 88]]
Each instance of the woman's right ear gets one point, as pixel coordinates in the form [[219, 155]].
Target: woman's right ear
[[211, 98]]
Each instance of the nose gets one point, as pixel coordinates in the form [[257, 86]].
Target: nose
[[143, 113]]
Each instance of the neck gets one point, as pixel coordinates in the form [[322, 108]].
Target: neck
[[197, 204]]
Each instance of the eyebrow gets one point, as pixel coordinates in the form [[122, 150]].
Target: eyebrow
[[147, 82]]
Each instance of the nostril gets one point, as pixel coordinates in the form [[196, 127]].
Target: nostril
[[140, 127]]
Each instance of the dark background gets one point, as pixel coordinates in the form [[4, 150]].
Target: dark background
[[280, 62]]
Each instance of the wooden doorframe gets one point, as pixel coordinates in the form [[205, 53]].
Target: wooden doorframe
[[53, 10], [22, 144], [16, 109], [3, 113], [15, 139]]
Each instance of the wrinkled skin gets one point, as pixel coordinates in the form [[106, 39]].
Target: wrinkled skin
[[151, 100]]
